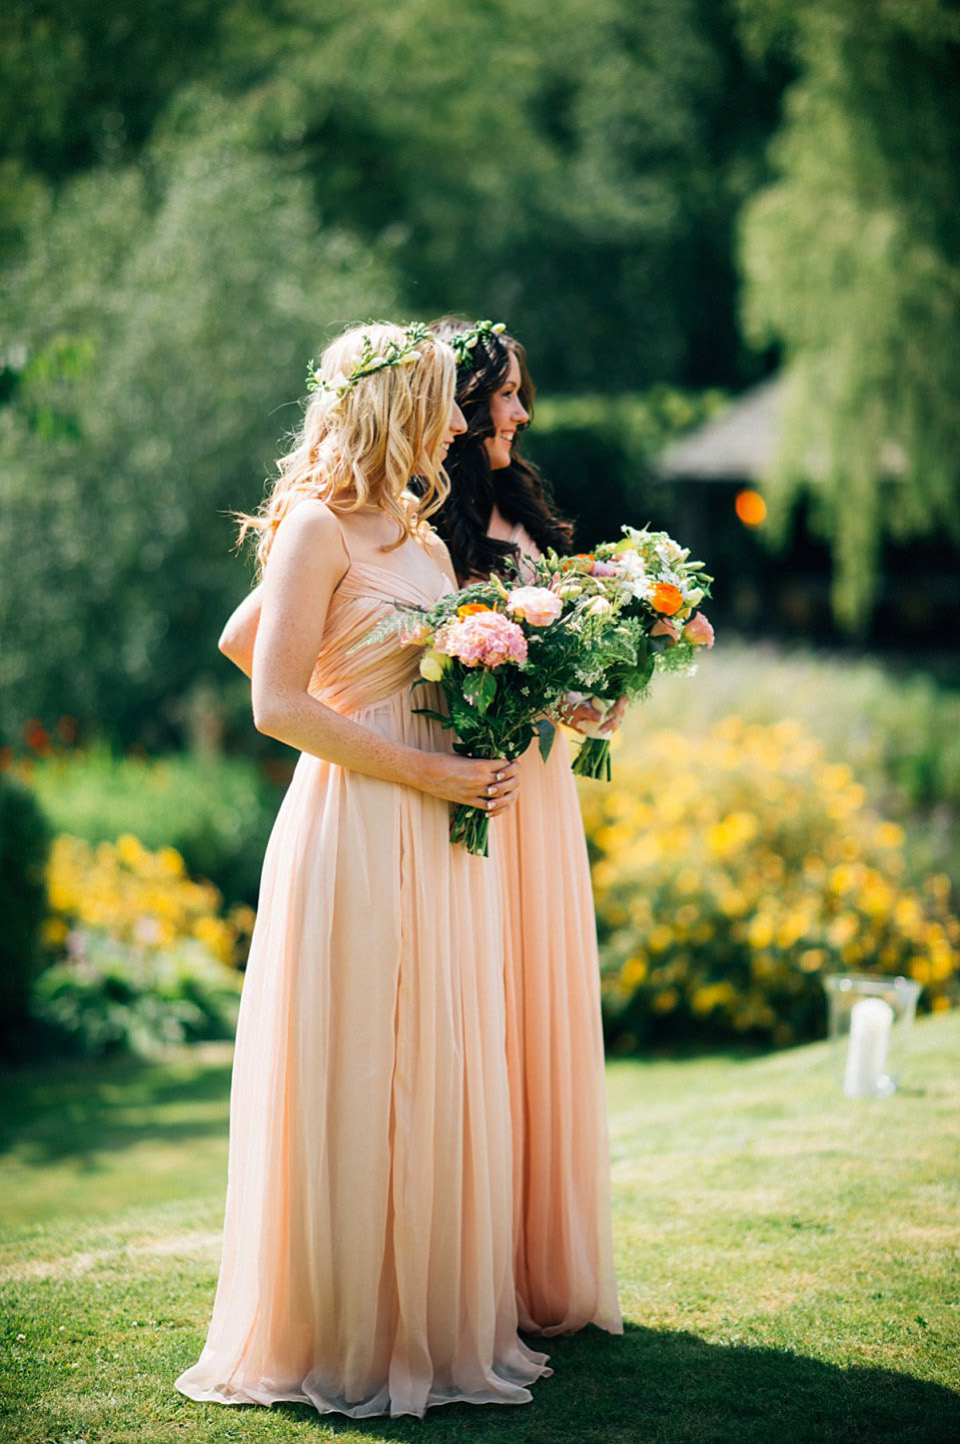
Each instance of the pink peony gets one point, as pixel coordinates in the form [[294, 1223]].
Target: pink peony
[[538, 606], [486, 639], [663, 628], [698, 631]]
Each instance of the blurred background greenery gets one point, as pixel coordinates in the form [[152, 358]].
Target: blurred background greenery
[[671, 205]]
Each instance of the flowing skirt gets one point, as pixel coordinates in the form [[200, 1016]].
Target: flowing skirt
[[562, 1225], [367, 1254]]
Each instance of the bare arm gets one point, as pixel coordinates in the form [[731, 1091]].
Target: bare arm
[[306, 562], [240, 633]]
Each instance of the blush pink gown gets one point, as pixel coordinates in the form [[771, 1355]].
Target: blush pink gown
[[563, 1247], [367, 1262]]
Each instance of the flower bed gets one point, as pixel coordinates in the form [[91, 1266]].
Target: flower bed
[[144, 955], [733, 872], [139, 897]]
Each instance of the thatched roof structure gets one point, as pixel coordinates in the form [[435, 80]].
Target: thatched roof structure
[[739, 445]]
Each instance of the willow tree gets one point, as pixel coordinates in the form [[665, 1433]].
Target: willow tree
[[852, 264]]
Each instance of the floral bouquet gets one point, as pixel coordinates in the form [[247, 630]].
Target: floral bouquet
[[641, 594], [504, 657]]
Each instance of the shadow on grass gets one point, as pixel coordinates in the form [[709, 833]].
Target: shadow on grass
[[652, 1387], [83, 1107]]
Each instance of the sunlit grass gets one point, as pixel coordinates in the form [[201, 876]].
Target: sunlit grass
[[787, 1260]]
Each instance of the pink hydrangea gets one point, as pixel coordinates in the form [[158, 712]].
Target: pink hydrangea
[[604, 569], [538, 606], [487, 639]]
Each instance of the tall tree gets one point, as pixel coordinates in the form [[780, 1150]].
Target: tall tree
[[162, 317], [852, 262]]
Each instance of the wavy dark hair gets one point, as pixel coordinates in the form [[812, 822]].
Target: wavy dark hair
[[518, 490]]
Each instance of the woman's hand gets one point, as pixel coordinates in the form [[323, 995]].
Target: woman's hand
[[614, 717], [591, 721], [581, 716], [472, 781]]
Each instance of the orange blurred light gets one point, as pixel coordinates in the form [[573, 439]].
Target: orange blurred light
[[751, 508]]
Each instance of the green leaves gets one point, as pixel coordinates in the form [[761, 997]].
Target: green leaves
[[480, 688], [546, 732], [157, 379]]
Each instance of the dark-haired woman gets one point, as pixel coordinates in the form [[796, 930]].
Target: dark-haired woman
[[498, 510]]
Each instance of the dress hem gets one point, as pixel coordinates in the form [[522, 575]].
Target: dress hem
[[512, 1395]]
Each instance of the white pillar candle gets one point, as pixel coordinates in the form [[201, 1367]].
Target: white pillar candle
[[870, 1022]]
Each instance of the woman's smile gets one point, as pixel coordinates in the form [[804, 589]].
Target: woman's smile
[[507, 414]]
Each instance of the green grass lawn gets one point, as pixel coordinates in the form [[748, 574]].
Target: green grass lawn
[[788, 1261]]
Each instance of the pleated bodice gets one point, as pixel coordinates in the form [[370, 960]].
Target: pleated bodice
[[350, 672]]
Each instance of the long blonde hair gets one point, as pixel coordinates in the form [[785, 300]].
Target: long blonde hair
[[361, 449]]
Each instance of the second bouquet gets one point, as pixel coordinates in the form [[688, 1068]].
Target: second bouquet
[[505, 658]]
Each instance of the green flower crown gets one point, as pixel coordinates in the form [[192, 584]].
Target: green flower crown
[[370, 361], [463, 342]]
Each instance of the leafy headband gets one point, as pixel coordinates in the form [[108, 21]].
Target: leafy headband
[[370, 361], [463, 342], [398, 353]]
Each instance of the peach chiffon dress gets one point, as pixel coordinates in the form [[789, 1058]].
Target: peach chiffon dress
[[367, 1260], [563, 1247]]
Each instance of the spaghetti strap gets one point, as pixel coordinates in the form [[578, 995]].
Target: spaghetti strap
[[343, 538]]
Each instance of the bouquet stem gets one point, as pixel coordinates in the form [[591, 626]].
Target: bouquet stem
[[471, 826], [593, 759]]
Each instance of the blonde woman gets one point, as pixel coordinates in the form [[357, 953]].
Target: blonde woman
[[366, 1263], [496, 508]]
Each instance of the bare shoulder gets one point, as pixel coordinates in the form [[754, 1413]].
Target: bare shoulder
[[310, 533]]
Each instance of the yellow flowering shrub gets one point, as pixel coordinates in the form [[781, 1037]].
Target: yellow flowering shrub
[[733, 871], [140, 897]]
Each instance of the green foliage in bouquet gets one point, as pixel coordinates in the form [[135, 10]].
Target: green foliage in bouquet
[[732, 872], [640, 596], [503, 657]]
